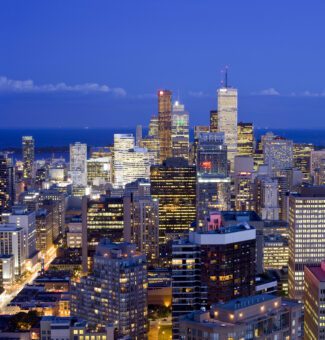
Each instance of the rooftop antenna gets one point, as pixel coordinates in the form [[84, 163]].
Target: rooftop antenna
[[226, 76]]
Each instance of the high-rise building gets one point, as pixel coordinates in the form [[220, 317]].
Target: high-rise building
[[165, 124], [78, 164], [44, 230], [302, 158], [7, 183], [255, 317], [99, 170], [23, 218], [193, 147], [130, 162], [213, 183], [266, 197], [28, 157], [275, 252], [141, 219], [213, 121], [116, 292], [215, 264], [243, 183], [138, 135], [12, 243], [131, 165], [103, 218], [278, 152], [227, 120], [174, 185], [245, 139], [306, 235], [317, 166], [314, 297], [153, 127], [187, 295], [180, 131]]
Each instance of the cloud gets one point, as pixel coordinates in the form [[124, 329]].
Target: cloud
[[267, 92], [28, 86], [198, 94]]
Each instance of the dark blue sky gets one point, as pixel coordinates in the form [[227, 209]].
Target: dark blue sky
[[99, 63]]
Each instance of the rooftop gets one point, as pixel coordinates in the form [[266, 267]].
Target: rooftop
[[245, 302], [240, 216]]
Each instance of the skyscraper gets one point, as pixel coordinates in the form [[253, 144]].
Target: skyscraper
[[306, 235], [302, 159], [227, 119], [165, 124], [174, 185], [78, 164], [245, 139], [213, 183], [213, 121], [278, 152], [180, 131], [215, 264], [314, 297], [28, 157], [116, 292], [102, 218], [141, 219], [7, 182], [130, 162]]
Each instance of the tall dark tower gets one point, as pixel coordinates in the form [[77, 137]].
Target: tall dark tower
[[7, 182], [165, 124], [28, 157]]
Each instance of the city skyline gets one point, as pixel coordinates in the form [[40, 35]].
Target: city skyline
[[105, 68]]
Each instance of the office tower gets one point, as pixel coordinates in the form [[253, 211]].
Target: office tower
[[306, 235], [165, 124], [227, 119], [28, 157], [317, 161], [243, 182], [100, 151], [134, 164], [278, 152], [130, 162], [151, 142], [314, 296], [288, 180], [258, 317], [78, 164], [302, 159], [213, 183], [187, 295], [225, 268], [99, 170], [44, 230], [180, 131], [12, 243], [141, 219], [174, 185], [153, 127], [116, 292], [102, 218], [25, 219], [266, 197], [213, 121], [276, 252], [55, 201], [193, 147], [245, 139], [138, 135], [7, 182]]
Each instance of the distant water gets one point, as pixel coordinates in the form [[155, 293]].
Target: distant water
[[49, 141]]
